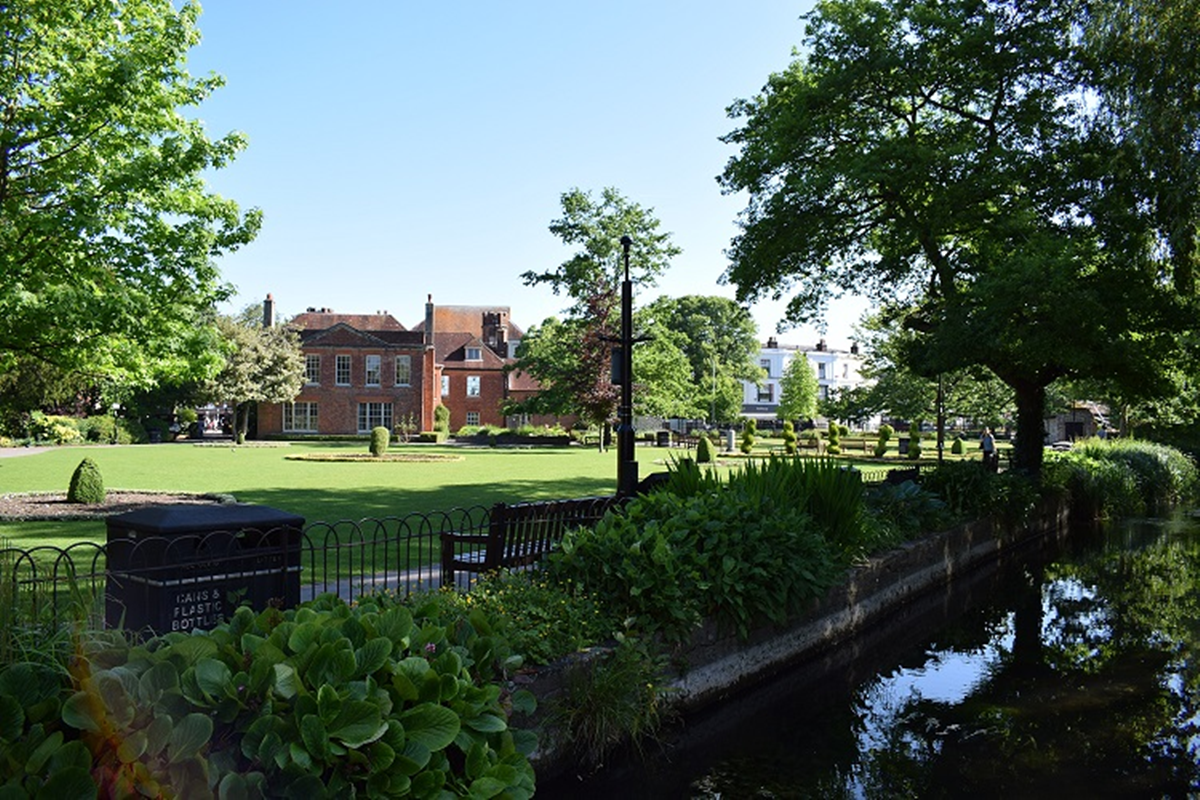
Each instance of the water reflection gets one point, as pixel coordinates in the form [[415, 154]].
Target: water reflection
[[1077, 677]]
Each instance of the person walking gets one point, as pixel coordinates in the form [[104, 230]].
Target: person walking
[[987, 443]]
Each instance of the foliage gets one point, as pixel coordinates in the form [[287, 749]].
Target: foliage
[[971, 492], [705, 451], [317, 701], [108, 232], [957, 447], [1159, 475], [937, 157], [719, 343], [441, 419], [87, 484], [261, 365], [914, 440], [906, 509], [572, 359], [610, 696], [1098, 488], [380, 438], [749, 434], [663, 384], [798, 390], [834, 447], [789, 438], [539, 620], [668, 560], [54, 429], [881, 445]]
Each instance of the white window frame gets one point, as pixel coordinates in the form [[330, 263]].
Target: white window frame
[[340, 361], [374, 371], [765, 363], [300, 417], [472, 417], [403, 370], [374, 415], [312, 369], [445, 386], [474, 354], [474, 386]]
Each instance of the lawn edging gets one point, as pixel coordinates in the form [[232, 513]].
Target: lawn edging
[[719, 664]]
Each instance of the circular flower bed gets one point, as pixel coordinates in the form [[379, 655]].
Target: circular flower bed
[[28, 506], [367, 458]]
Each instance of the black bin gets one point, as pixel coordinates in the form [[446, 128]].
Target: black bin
[[181, 567], [664, 438]]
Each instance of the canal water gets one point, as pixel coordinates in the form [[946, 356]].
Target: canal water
[[1075, 675]]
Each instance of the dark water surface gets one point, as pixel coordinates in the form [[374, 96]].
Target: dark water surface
[[1076, 677]]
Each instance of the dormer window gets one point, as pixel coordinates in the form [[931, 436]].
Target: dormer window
[[474, 354]]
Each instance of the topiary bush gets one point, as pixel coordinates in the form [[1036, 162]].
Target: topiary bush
[[881, 446], [914, 445], [789, 438], [749, 434], [705, 452], [834, 447], [958, 448], [380, 436], [441, 418], [87, 485]]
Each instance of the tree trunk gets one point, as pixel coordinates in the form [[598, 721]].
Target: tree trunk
[[1031, 426], [241, 413]]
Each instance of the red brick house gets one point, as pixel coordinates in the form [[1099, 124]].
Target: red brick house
[[363, 370], [473, 345]]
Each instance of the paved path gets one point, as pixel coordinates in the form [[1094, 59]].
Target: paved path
[[13, 452]]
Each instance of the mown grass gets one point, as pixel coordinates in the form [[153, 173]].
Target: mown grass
[[318, 491]]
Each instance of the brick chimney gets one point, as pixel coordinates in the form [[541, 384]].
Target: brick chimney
[[429, 321]]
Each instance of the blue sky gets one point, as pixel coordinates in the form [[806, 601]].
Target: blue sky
[[399, 149]]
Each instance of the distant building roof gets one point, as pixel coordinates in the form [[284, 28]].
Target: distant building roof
[[320, 318], [469, 319]]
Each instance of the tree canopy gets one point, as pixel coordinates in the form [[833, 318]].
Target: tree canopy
[[945, 159], [108, 232], [261, 365], [719, 342], [798, 390], [572, 358]]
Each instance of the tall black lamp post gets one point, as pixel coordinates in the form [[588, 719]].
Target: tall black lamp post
[[627, 468]]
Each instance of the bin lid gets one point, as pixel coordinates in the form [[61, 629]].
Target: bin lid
[[192, 518]]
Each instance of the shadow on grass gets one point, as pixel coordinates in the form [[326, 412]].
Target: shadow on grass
[[355, 504]]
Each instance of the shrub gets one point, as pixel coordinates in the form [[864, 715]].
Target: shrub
[[380, 437], [749, 433], [914, 444], [54, 429], [705, 452], [87, 485], [789, 438], [441, 418], [958, 448], [835, 440], [467, 431], [881, 446], [1162, 474], [101, 428], [906, 510], [320, 701]]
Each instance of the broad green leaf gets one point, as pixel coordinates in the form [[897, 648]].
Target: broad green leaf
[[487, 787], [315, 736], [158, 680], [329, 703], [487, 723], [358, 723], [430, 725], [372, 656], [287, 683], [188, 736], [214, 677], [71, 782], [82, 711], [524, 701], [131, 747], [12, 718], [413, 758], [303, 637], [42, 752], [395, 624]]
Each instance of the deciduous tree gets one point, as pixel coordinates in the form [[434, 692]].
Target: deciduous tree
[[108, 232], [941, 156], [798, 390], [262, 365]]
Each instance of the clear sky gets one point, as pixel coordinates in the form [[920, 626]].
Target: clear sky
[[399, 149]]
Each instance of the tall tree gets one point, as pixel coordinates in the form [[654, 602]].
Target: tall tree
[[798, 390], [937, 155], [262, 365], [720, 342], [108, 233], [576, 370]]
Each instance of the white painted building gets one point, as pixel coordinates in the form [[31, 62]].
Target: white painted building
[[835, 370]]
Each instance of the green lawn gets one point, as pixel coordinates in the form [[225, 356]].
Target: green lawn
[[318, 491]]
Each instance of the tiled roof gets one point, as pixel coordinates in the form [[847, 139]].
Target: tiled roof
[[450, 349], [313, 320], [468, 319]]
